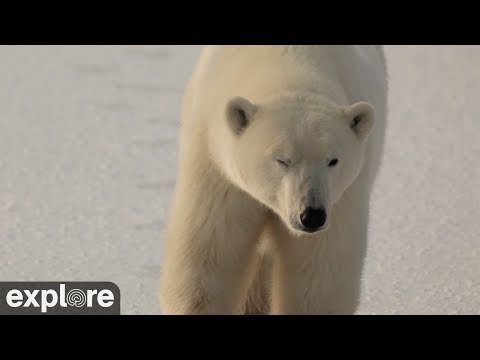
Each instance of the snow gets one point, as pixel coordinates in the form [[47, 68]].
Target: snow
[[88, 142]]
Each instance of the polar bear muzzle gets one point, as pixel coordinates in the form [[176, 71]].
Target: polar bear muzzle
[[313, 219]]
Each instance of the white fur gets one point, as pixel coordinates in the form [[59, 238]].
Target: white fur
[[234, 240]]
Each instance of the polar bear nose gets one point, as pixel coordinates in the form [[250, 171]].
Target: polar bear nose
[[313, 219]]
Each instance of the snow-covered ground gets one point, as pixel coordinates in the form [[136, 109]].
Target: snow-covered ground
[[88, 139]]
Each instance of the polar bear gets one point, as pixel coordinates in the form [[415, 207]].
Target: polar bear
[[279, 148]]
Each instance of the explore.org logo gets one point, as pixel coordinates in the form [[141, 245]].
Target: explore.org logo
[[59, 298]]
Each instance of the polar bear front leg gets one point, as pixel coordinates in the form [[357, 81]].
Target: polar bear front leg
[[318, 274], [210, 241]]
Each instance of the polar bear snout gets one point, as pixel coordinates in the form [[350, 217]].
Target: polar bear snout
[[313, 219]]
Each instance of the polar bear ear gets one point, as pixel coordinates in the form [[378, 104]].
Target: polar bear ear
[[240, 113], [361, 117]]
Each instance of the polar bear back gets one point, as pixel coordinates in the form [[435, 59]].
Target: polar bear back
[[343, 73]]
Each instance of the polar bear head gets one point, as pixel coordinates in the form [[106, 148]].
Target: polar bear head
[[297, 155]]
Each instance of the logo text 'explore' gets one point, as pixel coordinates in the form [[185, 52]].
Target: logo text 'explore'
[[61, 298], [49, 298]]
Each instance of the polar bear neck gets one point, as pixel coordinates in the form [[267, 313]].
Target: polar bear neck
[[310, 72], [258, 73]]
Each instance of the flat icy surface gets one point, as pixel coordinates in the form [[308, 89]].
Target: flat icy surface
[[88, 140]]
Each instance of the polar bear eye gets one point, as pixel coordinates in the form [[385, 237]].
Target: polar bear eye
[[333, 163], [284, 163]]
